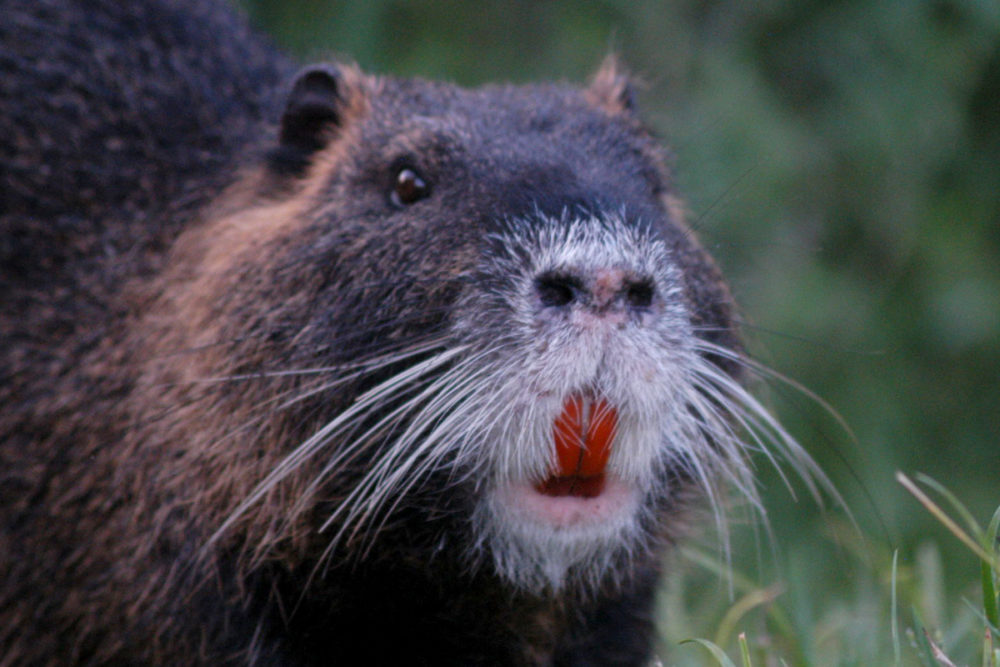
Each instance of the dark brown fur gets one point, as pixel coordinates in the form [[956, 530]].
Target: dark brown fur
[[172, 232]]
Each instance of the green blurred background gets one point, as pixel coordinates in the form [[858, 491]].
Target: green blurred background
[[842, 161]]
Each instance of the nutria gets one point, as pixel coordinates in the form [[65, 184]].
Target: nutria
[[316, 367]]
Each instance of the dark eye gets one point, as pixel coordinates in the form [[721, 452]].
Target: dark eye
[[408, 187]]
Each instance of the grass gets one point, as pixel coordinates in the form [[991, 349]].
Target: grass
[[883, 609]]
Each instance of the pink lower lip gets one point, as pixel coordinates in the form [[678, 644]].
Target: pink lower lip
[[615, 500], [572, 485]]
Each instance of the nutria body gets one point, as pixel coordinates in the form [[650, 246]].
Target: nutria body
[[286, 356]]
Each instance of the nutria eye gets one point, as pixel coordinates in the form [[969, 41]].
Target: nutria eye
[[408, 187]]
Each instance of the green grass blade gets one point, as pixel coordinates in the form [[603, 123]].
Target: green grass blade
[[989, 594], [744, 650], [921, 641], [717, 653], [743, 584], [939, 655], [979, 614], [947, 521], [993, 531], [955, 503], [895, 610], [742, 607], [991, 603]]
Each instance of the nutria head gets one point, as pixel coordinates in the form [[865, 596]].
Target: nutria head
[[477, 310]]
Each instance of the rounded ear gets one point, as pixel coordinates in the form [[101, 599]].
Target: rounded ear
[[322, 101], [611, 88], [313, 106]]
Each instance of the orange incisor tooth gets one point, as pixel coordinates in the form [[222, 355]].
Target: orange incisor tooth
[[583, 434]]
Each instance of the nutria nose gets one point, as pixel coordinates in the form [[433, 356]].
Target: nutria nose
[[599, 290]]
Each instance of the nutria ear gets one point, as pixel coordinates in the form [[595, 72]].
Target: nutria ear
[[318, 104], [313, 107], [611, 88]]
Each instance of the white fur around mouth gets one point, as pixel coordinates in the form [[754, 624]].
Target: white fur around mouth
[[616, 504], [542, 542]]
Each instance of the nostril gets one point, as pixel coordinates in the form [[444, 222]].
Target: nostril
[[639, 294], [556, 291]]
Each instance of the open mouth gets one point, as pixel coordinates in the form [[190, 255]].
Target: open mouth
[[583, 433], [580, 495]]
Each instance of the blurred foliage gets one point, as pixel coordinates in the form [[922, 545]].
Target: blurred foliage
[[842, 161]]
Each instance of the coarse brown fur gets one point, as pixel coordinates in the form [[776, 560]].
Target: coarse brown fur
[[182, 228]]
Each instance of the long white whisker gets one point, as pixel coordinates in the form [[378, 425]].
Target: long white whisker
[[372, 398], [764, 423], [382, 479], [749, 424], [301, 395], [767, 373], [367, 499]]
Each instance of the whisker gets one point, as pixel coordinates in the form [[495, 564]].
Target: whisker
[[302, 395], [367, 401], [765, 424], [824, 345], [372, 330], [381, 481], [766, 372], [386, 422]]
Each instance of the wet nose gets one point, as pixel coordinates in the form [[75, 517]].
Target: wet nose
[[599, 290]]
